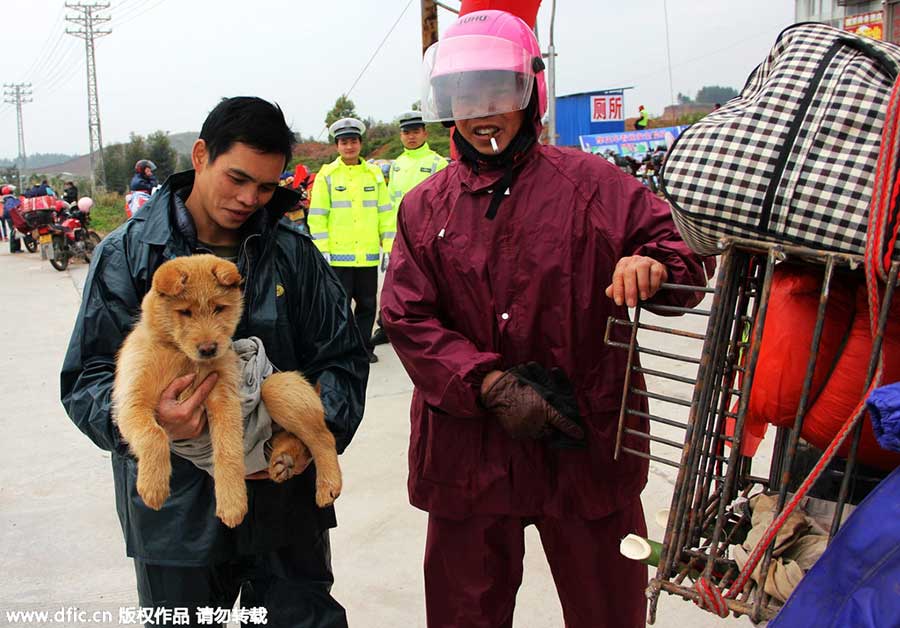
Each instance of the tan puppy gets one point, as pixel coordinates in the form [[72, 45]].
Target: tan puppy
[[187, 320]]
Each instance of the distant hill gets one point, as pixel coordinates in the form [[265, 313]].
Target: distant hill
[[80, 166], [38, 160], [76, 166], [313, 154], [183, 142]]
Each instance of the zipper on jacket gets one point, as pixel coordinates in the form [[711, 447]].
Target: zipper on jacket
[[242, 254], [793, 131]]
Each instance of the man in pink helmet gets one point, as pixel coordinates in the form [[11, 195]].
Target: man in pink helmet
[[505, 268]]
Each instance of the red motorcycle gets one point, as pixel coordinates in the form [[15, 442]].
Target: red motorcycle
[[30, 215], [70, 236]]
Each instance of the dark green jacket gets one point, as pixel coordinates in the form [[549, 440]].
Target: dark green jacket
[[293, 302]]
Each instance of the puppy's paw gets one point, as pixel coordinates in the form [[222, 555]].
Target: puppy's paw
[[282, 467], [153, 490], [328, 489], [289, 457], [231, 512]]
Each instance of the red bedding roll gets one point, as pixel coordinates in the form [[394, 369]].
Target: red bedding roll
[[787, 337], [845, 387]]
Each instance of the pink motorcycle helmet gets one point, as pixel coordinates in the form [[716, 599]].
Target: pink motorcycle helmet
[[85, 203], [487, 63]]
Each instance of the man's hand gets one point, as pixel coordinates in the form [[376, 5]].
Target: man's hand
[[636, 277], [184, 419]]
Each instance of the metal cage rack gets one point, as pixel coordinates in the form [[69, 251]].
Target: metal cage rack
[[716, 370]]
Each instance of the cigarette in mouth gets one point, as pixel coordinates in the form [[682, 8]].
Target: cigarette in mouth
[[494, 145]]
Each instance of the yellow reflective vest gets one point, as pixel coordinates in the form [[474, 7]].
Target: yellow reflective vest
[[644, 120], [350, 214], [410, 169]]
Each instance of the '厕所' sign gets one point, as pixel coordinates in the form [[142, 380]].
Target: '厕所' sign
[[607, 107]]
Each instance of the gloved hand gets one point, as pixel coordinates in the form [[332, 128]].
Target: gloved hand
[[327, 257], [385, 258], [529, 403]]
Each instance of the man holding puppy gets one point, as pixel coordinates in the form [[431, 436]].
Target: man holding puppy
[[230, 205], [504, 270]]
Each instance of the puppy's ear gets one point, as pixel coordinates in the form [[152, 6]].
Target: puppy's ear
[[226, 274], [170, 280]]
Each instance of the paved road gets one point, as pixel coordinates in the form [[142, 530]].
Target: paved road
[[60, 541]]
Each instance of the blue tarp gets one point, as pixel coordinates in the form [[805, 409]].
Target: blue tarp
[[594, 112], [856, 582]]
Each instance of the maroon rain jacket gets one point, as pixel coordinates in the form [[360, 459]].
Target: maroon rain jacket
[[465, 295]]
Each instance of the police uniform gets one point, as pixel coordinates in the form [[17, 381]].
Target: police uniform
[[352, 221]]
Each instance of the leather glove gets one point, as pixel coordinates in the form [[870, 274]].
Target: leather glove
[[385, 258], [520, 399]]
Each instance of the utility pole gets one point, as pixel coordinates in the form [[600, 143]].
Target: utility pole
[[669, 54], [551, 81], [429, 24], [17, 94], [88, 17]]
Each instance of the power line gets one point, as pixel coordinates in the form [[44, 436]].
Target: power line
[[88, 18], [136, 12], [378, 49], [57, 22], [61, 76], [54, 61], [710, 53], [17, 94], [374, 54]]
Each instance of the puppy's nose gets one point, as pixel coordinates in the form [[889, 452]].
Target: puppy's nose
[[207, 349]]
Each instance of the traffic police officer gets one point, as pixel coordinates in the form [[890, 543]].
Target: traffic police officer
[[414, 165], [351, 220]]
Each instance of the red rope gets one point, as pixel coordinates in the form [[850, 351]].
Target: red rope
[[883, 170], [882, 205], [710, 598], [778, 522]]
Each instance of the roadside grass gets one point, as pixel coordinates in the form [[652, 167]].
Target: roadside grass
[[108, 212]]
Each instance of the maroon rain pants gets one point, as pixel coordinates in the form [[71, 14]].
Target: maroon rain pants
[[473, 568]]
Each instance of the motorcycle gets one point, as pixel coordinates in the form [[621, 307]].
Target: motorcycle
[[648, 175], [29, 216], [70, 235]]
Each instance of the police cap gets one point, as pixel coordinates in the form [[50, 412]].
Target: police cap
[[411, 120], [347, 127]]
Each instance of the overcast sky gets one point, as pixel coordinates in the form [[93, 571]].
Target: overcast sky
[[167, 62]]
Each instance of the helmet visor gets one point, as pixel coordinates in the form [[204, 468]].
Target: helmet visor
[[474, 76]]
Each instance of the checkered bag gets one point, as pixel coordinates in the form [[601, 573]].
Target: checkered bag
[[793, 158]]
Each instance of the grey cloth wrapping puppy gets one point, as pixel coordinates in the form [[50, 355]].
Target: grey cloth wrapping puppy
[[255, 367]]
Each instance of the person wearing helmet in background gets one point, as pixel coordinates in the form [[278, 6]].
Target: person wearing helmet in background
[[416, 163], [6, 226], [351, 221], [506, 266], [643, 119], [144, 180], [11, 202]]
